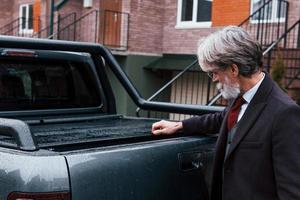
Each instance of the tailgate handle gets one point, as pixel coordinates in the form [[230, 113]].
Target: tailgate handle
[[190, 161]]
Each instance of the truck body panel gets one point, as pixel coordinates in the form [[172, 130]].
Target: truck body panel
[[155, 169]]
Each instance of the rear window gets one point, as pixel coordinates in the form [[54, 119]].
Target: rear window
[[44, 84]]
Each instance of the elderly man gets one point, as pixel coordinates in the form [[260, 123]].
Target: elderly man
[[258, 149]]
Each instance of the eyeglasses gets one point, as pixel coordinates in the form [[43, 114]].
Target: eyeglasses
[[212, 73]]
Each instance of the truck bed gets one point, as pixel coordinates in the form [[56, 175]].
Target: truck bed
[[56, 133]]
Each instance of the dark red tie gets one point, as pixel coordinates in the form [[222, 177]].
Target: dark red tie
[[234, 112]]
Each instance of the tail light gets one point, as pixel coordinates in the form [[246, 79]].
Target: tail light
[[39, 196], [18, 53]]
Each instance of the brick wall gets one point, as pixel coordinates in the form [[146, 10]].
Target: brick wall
[[16, 6], [294, 11], [145, 26], [180, 41], [152, 28], [231, 12], [5, 10], [77, 7]]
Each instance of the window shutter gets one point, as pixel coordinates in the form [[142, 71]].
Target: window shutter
[[36, 15]]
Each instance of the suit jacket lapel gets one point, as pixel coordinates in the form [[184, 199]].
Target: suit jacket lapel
[[252, 112]]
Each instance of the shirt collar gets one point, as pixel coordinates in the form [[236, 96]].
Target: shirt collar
[[248, 96]]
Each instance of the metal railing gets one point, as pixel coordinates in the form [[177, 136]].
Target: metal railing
[[61, 22], [189, 86], [259, 24], [4, 30], [284, 54], [106, 27], [35, 27], [21, 27], [267, 23], [81, 29]]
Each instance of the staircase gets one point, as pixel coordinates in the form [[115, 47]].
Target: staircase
[[285, 53]]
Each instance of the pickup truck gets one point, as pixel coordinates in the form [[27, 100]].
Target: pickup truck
[[61, 138]]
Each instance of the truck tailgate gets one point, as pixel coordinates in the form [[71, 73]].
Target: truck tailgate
[[160, 169]]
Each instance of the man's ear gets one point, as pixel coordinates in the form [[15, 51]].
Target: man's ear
[[234, 70]]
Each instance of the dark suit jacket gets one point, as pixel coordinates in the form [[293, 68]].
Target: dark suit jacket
[[263, 161]]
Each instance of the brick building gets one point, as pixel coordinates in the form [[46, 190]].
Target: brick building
[[152, 39]]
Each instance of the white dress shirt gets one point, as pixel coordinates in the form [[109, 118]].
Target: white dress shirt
[[248, 96]]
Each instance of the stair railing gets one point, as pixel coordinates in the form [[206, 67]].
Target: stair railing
[[187, 68], [178, 82], [19, 27], [60, 23], [288, 48], [75, 25], [264, 25], [4, 29], [15, 27]]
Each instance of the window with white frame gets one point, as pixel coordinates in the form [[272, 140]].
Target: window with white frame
[[274, 11], [26, 18], [194, 13]]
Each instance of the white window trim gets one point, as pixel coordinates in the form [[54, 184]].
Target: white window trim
[[26, 30], [190, 24], [273, 19]]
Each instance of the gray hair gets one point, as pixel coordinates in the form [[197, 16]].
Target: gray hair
[[231, 45]]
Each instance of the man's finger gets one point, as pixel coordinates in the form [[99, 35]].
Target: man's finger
[[157, 125], [157, 132]]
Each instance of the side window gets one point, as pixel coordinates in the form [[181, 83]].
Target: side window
[[194, 13], [26, 18], [274, 11]]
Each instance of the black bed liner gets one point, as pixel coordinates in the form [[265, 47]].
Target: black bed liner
[[75, 132], [110, 128]]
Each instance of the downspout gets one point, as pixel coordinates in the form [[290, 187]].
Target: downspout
[[51, 19], [53, 8]]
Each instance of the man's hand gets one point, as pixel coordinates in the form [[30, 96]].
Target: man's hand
[[166, 127]]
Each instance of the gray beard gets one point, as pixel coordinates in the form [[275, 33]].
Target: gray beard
[[228, 90]]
